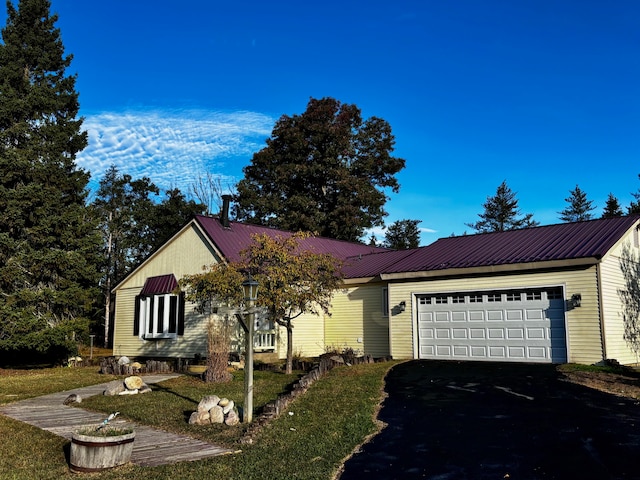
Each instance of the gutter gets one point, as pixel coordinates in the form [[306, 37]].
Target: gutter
[[512, 267]]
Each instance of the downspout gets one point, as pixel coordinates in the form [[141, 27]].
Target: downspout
[[601, 312]]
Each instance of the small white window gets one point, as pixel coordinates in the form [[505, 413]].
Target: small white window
[[514, 297], [475, 298], [441, 299], [494, 297], [457, 299]]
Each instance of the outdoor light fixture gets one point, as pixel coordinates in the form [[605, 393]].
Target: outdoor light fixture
[[403, 306], [250, 288], [576, 300]]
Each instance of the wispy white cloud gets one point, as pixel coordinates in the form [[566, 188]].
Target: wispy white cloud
[[172, 147]]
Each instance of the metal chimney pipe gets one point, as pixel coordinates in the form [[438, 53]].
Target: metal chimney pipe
[[224, 214]]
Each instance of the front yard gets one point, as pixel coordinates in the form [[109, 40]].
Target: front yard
[[324, 427]]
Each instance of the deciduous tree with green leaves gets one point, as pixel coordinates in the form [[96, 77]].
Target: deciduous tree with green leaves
[[501, 213], [403, 235], [324, 171], [48, 240], [292, 281], [579, 208]]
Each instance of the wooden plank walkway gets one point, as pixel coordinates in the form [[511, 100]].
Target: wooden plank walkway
[[152, 447]]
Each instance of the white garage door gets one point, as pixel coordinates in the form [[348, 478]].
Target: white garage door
[[511, 325]]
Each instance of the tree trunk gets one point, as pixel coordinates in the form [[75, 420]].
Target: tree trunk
[[289, 367]]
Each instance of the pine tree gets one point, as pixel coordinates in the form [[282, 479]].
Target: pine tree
[[579, 208], [48, 241], [612, 208], [501, 213], [402, 235]]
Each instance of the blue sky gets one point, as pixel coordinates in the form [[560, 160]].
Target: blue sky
[[542, 94]]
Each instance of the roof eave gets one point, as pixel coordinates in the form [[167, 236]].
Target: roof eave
[[511, 267]]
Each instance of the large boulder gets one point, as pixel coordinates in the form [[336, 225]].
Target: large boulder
[[133, 383], [114, 388], [216, 415], [208, 402]]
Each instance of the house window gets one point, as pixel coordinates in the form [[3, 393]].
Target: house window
[[159, 316], [441, 299], [494, 297], [425, 300], [514, 297], [475, 298]]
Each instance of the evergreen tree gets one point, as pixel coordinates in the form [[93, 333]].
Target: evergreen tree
[[612, 208], [133, 225], [579, 208], [634, 207], [324, 171], [501, 213], [48, 244], [402, 235]]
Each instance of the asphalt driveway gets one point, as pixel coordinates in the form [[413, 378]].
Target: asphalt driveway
[[478, 420]]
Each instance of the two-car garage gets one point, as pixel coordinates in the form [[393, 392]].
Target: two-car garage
[[521, 325]]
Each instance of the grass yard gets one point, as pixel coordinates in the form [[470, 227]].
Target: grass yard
[[326, 424]]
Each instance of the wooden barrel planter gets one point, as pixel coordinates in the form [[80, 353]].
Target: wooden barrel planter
[[93, 453]]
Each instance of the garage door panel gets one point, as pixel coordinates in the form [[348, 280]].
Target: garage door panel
[[515, 333], [497, 352], [515, 315], [495, 333], [460, 333], [477, 333], [506, 326]]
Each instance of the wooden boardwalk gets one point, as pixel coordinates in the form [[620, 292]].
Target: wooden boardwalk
[[152, 447]]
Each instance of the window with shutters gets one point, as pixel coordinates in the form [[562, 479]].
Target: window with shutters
[[159, 316]]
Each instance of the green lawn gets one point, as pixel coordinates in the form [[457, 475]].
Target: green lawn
[[325, 425]]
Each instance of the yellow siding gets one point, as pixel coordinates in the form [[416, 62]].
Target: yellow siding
[[358, 321], [187, 253], [612, 281], [308, 336], [583, 326]]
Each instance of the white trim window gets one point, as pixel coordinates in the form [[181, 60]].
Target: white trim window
[[159, 316]]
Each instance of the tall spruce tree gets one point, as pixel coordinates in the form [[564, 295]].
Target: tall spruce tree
[[579, 208], [324, 171], [48, 241], [612, 208], [501, 213]]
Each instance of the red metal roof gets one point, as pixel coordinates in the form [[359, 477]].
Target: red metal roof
[[238, 236], [589, 239], [159, 285]]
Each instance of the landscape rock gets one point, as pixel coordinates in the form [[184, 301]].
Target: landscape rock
[[114, 388], [223, 402], [208, 402], [226, 409], [133, 382], [145, 389], [137, 365], [126, 391], [73, 398], [216, 415], [123, 360], [232, 418]]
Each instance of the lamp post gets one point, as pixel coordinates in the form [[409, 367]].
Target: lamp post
[[250, 288]]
